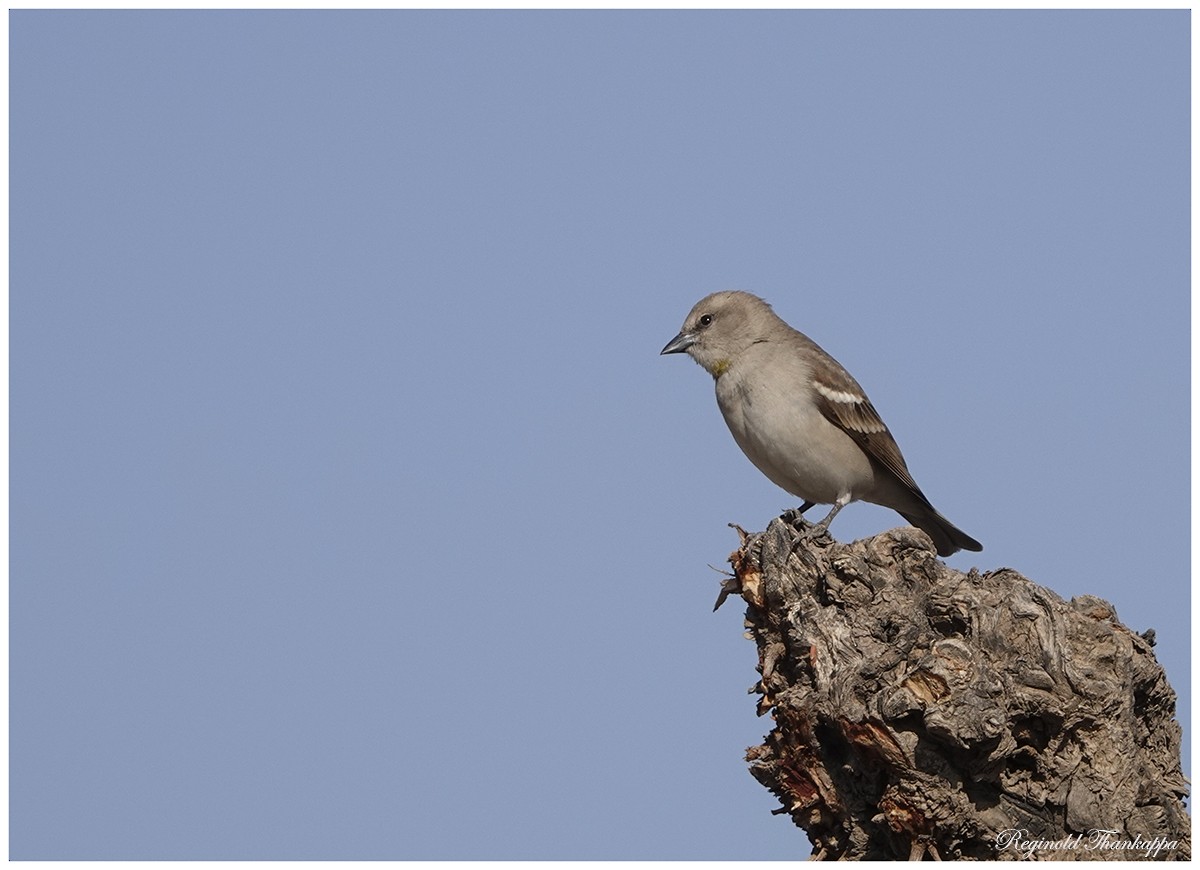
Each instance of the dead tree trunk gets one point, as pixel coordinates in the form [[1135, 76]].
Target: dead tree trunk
[[922, 711]]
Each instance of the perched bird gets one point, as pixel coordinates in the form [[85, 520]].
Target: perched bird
[[799, 416]]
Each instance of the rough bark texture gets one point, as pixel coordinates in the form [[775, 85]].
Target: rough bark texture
[[923, 712]]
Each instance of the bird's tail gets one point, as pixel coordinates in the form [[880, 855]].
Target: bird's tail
[[946, 536]]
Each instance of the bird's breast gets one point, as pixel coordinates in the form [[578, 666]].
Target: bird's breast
[[784, 434]]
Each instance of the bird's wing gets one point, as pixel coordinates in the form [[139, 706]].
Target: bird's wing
[[844, 404]]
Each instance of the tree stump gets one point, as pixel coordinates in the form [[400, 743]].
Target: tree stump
[[923, 712]]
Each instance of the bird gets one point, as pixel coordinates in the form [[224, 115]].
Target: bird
[[801, 418]]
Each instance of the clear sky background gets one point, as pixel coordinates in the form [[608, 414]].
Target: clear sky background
[[353, 511]]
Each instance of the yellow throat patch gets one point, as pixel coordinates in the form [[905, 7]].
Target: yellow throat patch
[[720, 367]]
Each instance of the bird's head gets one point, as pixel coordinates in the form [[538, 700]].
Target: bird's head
[[721, 327]]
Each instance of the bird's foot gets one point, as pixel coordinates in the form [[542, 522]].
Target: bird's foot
[[795, 516], [809, 533]]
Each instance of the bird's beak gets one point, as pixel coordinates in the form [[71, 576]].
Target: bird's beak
[[679, 343]]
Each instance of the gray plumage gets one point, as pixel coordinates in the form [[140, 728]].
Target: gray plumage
[[800, 417]]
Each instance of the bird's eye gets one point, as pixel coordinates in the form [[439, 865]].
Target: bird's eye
[[705, 319]]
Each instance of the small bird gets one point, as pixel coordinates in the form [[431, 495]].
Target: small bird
[[801, 418]]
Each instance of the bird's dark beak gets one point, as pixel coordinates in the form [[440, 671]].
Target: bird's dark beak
[[679, 343]]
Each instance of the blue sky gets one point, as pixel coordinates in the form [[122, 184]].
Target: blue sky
[[353, 512]]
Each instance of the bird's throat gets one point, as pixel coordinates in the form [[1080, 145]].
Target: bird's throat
[[719, 367]]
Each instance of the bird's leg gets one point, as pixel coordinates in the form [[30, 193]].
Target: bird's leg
[[842, 501], [821, 528]]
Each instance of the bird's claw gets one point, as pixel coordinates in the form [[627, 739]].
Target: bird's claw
[[807, 533], [795, 516]]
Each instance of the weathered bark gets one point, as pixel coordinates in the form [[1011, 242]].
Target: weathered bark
[[922, 711]]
